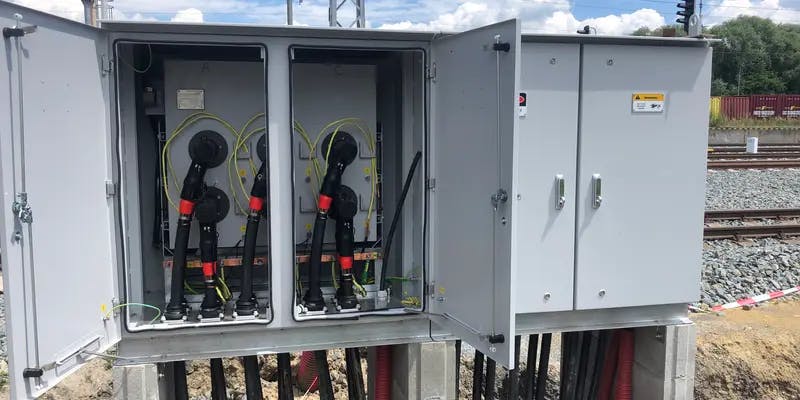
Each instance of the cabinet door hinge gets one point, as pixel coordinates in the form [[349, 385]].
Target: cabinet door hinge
[[430, 184], [106, 65], [430, 72], [21, 208], [111, 189]]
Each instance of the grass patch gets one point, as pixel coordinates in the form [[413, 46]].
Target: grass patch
[[722, 122]]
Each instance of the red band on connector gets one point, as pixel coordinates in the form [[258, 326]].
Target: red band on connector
[[208, 269], [186, 207], [256, 203], [325, 202], [346, 262]]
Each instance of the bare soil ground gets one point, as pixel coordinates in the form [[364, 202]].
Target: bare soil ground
[[751, 354], [741, 354]]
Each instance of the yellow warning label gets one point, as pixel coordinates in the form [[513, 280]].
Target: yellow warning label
[[243, 228], [242, 172], [649, 96]]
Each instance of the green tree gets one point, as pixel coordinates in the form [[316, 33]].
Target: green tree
[[755, 55]]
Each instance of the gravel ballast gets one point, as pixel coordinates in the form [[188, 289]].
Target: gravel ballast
[[749, 188], [733, 270]]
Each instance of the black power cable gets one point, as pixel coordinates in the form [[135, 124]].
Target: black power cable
[[477, 376], [207, 149], [284, 377], [210, 211], [343, 149], [345, 207], [218, 386], [247, 304], [530, 372], [544, 361], [387, 244], [355, 379], [513, 374], [324, 374], [491, 371], [179, 380], [252, 378]]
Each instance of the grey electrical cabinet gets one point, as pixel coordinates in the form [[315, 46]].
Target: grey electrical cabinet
[[627, 145], [515, 159]]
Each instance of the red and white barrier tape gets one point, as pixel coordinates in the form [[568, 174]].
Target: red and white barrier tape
[[756, 299]]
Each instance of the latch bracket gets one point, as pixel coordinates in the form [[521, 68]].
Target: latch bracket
[[500, 196], [18, 30]]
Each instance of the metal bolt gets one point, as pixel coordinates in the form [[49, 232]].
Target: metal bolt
[[17, 236], [493, 349], [503, 221], [610, 62], [602, 293], [519, 197], [553, 61], [546, 296]]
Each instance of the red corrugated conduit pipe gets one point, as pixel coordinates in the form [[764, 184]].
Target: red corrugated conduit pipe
[[307, 374], [383, 373]]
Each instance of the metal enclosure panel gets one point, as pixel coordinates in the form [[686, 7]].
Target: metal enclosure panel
[[642, 245], [474, 120], [322, 94], [235, 91], [548, 142], [60, 268]]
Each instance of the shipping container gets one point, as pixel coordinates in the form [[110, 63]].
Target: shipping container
[[715, 108], [791, 106], [765, 105], [736, 107]]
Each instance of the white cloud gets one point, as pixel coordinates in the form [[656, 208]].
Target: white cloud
[[552, 16], [728, 9], [188, 15], [537, 16], [72, 9], [626, 23], [120, 16]]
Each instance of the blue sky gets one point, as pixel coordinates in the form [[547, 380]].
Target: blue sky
[[556, 16]]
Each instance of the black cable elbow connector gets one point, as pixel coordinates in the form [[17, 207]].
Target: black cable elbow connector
[[193, 183], [345, 207], [343, 150], [207, 149], [247, 303], [211, 209]]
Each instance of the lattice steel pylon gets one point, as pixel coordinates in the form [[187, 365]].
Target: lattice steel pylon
[[334, 17]]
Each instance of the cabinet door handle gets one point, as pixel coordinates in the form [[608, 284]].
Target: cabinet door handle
[[597, 190], [561, 197]]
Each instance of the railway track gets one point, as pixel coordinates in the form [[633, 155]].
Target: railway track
[[771, 156], [738, 155], [781, 230], [761, 149], [756, 164]]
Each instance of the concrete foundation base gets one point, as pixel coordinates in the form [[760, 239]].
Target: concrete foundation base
[[664, 367], [421, 371], [138, 382]]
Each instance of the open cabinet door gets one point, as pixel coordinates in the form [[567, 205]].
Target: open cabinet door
[[474, 93], [58, 231]]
